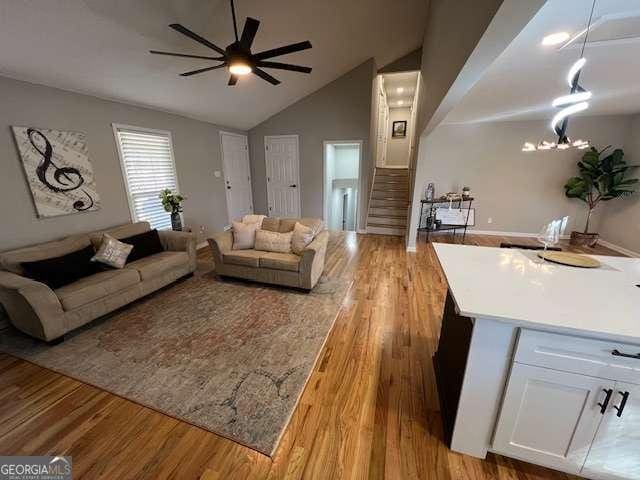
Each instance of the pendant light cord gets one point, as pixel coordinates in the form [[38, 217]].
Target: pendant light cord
[[586, 35]]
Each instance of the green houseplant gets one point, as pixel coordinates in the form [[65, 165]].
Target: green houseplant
[[600, 178], [172, 203]]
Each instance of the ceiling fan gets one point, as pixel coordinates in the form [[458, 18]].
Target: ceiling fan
[[237, 56]]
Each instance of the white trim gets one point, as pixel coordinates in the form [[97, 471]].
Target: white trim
[[224, 175], [497, 233], [266, 168], [123, 170], [412, 249], [362, 231], [325, 209], [618, 248]]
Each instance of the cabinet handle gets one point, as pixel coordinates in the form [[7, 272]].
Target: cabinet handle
[[618, 353], [623, 403], [603, 405]]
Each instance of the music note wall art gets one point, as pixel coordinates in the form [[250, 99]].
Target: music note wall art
[[58, 170]]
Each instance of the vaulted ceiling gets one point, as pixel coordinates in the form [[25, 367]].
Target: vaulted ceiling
[[100, 47], [523, 81]]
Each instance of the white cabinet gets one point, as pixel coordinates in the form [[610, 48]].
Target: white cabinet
[[615, 453], [549, 417], [573, 404]]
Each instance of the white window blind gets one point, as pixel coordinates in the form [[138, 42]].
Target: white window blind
[[148, 168]]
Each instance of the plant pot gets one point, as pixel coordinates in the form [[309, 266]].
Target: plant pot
[[584, 239], [176, 222]]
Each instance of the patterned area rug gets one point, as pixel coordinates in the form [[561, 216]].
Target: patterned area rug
[[230, 357]]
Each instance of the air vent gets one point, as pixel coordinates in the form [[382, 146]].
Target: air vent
[[615, 28]]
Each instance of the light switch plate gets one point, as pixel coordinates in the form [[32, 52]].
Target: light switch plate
[[217, 174]]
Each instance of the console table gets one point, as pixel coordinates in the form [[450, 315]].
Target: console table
[[432, 206]]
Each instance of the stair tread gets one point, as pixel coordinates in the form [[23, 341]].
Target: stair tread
[[386, 225], [373, 215]]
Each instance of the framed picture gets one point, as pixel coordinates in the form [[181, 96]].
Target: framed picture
[[58, 170], [399, 129]]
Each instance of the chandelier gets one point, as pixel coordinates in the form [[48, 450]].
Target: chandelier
[[576, 101]]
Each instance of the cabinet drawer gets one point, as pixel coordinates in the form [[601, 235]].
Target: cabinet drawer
[[595, 358]]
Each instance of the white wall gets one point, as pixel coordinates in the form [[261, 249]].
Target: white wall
[[341, 163], [519, 191], [398, 148]]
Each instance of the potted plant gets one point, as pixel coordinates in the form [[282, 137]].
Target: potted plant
[[172, 203], [601, 178]]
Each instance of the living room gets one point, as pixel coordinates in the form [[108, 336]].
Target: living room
[[209, 268]]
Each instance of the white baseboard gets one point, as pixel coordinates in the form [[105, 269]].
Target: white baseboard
[[412, 249], [360, 230], [618, 248]]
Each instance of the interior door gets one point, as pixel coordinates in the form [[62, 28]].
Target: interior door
[[283, 175], [615, 453], [237, 175], [549, 417]]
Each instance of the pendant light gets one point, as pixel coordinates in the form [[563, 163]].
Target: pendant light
[[576, 101]]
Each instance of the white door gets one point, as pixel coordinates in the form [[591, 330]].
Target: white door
[[237, 175], [283, 175], [615, 453], [549, 417]]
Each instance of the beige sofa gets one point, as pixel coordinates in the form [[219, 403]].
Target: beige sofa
[[287, 269], [48, 314]]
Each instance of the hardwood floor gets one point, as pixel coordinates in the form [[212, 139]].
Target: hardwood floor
[[369, 410]]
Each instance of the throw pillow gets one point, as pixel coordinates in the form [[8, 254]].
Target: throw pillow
[[273, 241], [112, 252], [244, 235], [57, 272], [144, 244], [302, 236], [257, 219]]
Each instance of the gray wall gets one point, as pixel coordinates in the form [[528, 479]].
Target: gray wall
[[621, 216], [340, 110], [197, 154], [520, 191]]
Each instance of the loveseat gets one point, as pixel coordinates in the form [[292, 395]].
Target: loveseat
[[47, 314], [286, 269]]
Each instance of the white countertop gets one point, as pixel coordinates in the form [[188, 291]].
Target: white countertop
[[512, 285]]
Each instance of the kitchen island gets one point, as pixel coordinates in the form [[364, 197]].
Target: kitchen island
[[540, 361]]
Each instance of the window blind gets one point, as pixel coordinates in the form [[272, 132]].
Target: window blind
[[148, 167]]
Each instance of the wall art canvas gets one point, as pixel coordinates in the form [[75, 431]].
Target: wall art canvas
[[58, 170], [399, 129]]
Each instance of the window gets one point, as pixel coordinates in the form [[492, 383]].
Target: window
[[147, 163]]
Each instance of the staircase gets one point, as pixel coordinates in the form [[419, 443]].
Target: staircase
[[389, 202]]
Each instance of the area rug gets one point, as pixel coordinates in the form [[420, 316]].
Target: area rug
[[228, 356]]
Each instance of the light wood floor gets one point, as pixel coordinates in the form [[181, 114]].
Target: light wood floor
[[369, 410]]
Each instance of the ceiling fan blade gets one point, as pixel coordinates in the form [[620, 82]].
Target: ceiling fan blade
[[233, 79], [157, 52], [249, 32], [202, 70], [284, 66], [185, 31], [276, 52], [265, 76]]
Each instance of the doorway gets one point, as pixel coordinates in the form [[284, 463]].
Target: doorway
[[342, 184], [395, 117], [237, 175], [282, 158]]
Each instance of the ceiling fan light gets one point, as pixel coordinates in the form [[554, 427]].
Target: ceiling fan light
[[240, 69]]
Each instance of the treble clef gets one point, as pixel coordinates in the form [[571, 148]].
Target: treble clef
[[67, 178]]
